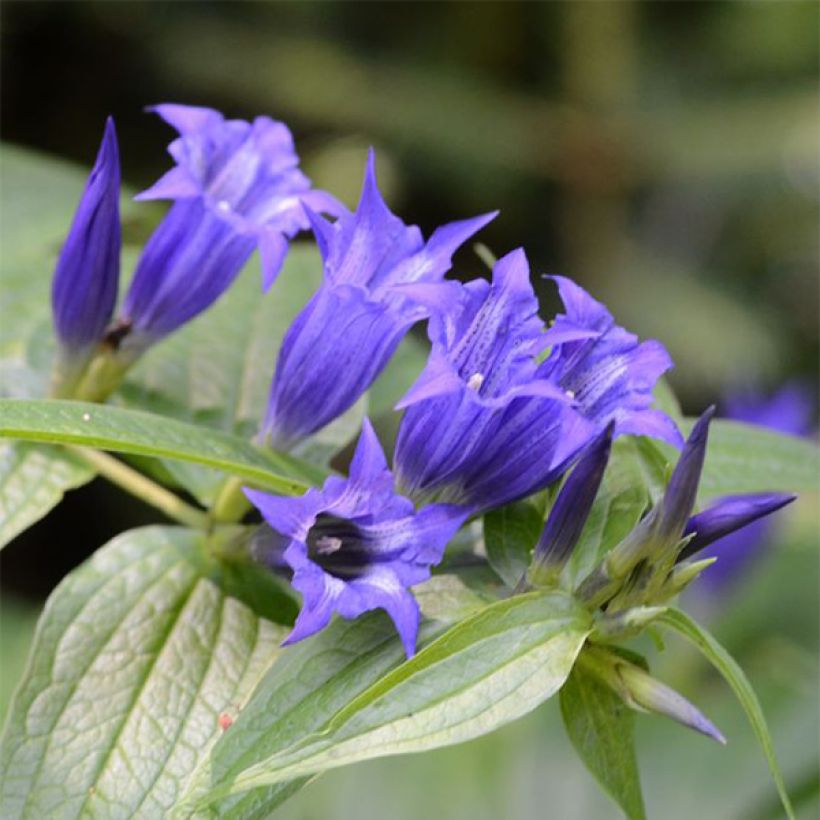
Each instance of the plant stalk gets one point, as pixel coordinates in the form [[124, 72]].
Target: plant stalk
[[138, 485]]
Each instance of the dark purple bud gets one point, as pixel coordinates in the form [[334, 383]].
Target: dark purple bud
[[84, 288], [728, 515], [679, 498], [571, 509]]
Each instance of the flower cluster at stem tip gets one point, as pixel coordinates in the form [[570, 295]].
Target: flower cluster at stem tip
[[504, 407]]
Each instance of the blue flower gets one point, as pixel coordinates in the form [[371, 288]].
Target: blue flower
[[605, 370], [84, 288], [490, 419], [236, 186], [355, 545], [345, 335]]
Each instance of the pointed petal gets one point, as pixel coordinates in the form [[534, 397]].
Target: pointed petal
[[320, 596], [447, 239], [581, 308], [381, 589], [322, 230], [174, 184], [273, 248], [292, 517], [369, 464], [437, 379], [187, 119]]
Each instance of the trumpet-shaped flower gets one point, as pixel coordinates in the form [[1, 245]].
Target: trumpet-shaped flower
[[84, 288], [490, 420], [345, 335], [236, 186], [355, 545]]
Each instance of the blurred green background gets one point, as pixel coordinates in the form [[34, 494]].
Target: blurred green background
[[663, 154]]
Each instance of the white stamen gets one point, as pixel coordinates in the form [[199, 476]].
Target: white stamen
[[327, 545], [570, 394], [475, 381], [224, 206]]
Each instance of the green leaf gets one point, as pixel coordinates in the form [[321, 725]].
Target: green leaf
[[600, 726], [744, 458], [132, 431], [33, 479], [510, 533], [139, 661], [491, 668], [450, 597], [681, 623]]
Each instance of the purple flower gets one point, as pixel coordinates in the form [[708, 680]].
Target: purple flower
[[608, 373], [236, 186], [84, 289], [789, 411], [346, 334], [355, 545], [489, 420]]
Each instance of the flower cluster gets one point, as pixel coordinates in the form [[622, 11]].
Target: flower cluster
[[504, 407], [236, 186]]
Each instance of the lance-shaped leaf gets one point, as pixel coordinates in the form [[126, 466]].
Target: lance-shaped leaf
[[491, 668], [737, 680], [131, 431], [600, 726], [140, 662]]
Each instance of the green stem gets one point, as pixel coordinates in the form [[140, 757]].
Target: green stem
[[231, 504], [138, 485]]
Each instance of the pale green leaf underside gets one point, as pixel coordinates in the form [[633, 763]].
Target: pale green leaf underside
[[491, 668], [136, 657], [132, 431], [33, 479], [681, 623], [600, 726]]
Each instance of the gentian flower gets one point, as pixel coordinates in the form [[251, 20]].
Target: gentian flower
[[608, 373], [356, 545], [789, 411], [345, 335], [236, 186], [490, 420], [84, 288]]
